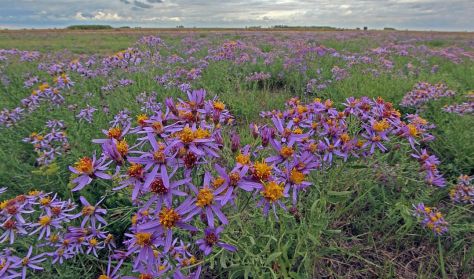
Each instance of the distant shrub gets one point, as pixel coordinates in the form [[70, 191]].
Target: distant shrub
[[88, 27]]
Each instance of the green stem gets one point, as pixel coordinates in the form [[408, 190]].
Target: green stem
[[441, 259]]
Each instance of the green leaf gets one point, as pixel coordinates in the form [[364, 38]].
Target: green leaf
[[272, 257]]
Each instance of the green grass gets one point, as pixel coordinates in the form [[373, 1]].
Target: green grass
[[354, 223]]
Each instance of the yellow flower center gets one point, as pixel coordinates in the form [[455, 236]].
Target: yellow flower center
[[286, 151], [272, 191], [44, 220], [380, 126], [168, 217], [135, 170], [301, 109], [205, 197], [218, 182], [412, 130], [143, 238], [218, 105], [43, 87], [45, 201], [114, 133], [202, 133], [88, 210], [34, 193], [297, 131], [186, 135], [141, 119], [54, 238], [296, 176], [84, 165], [261, 171], [345, 137], [243, 159], [122, 147], [93, 242]]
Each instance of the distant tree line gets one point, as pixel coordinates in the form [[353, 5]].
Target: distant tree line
[[311, 27], [89, 27]]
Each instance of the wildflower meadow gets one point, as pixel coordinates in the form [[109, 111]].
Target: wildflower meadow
[[236, 154]]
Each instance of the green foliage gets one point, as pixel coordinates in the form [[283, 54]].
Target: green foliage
[[89, 27]]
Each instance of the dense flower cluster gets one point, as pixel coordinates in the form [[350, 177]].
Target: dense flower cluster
[[44, 93], [172, 145], [431, 218], [50, 220], [423, 92], [167, 169], [258, 76], [462, 108], [463, 191], [51, 144]]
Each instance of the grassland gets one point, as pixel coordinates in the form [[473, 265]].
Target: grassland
[[356, 222]]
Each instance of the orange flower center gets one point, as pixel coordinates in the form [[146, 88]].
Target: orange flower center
[[205, 197], [272, 191], [168, 217], [84, 165], [143, 238], [296, 176]]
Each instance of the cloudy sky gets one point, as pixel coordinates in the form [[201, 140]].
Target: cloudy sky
[[402, 14]]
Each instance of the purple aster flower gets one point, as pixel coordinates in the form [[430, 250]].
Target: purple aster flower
[[87, 169], [29, 262], [211, 239], [92, 213]]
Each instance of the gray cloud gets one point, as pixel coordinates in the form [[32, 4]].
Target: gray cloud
[[402, 14], [142, 5]]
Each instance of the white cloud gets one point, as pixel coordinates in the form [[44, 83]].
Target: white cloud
[[107, 16], [100, 16]]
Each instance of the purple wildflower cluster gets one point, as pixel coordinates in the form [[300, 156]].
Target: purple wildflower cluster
[[461, 109], [50, 220], [86, 114], [339, 73], [318, 83], [258, 76], [51, 143], [431, 218], [172, 144], [123, 59], [166, 170], [151, 41], [423, 92], [463, 191], [44, 93], [25, 56], [465, 108]]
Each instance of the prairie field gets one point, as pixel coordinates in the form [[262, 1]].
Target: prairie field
[[208, 153]]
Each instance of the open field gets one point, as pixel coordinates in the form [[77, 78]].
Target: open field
[[302, 187]]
